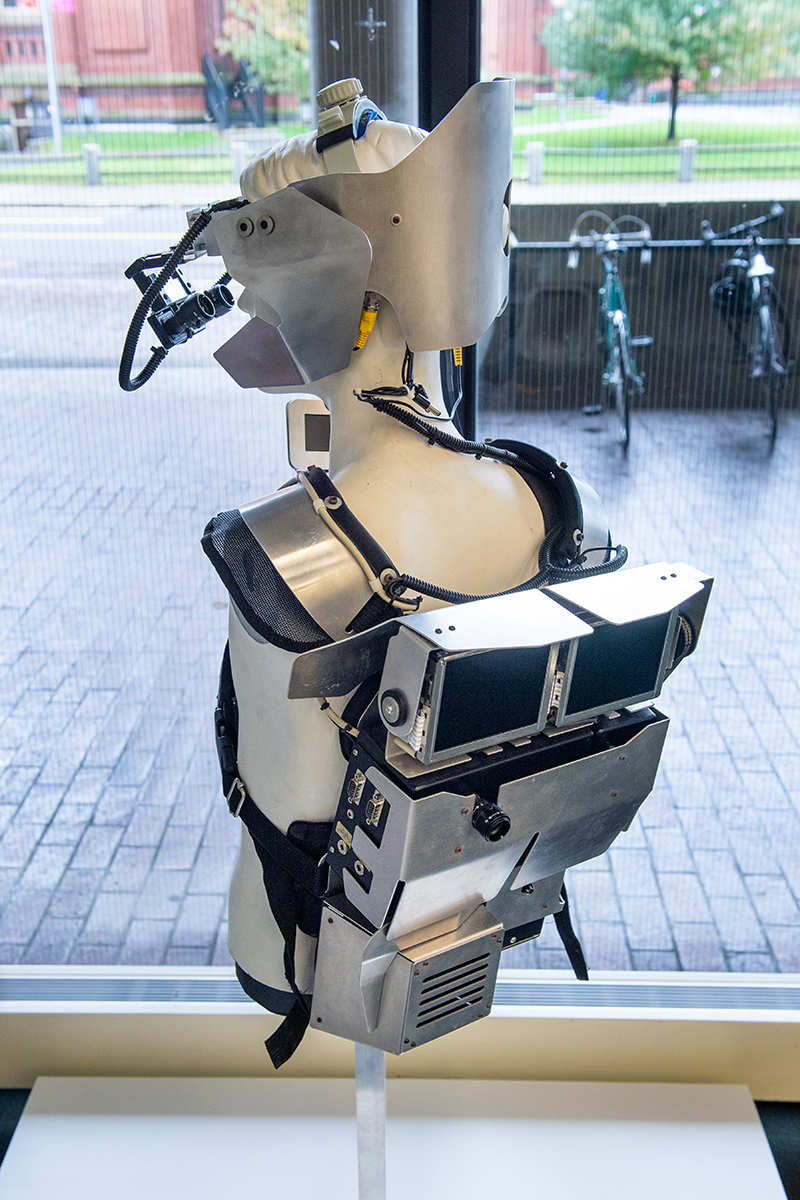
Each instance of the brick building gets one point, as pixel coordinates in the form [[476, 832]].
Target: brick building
[[118, 59]]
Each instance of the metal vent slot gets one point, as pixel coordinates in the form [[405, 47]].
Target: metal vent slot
[[458, 967], [448, 1012], [464, 995], [453, 985]]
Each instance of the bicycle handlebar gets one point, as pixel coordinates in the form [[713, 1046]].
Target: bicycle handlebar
[[709, 236]]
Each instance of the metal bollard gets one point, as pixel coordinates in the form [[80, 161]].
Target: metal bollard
[[535, 155], [240, 157], [686, 156], [91, 162]]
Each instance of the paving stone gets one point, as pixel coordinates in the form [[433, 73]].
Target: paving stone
[[162, 894], [698, 946], [739, 927], [22, 913], [633, 871], [764, 963], [17, 844], [46, 867], [53, 941], [146, 826], [146, 942], [605, 946], [94, 956], [198, 922], [129, 869], [221, 956], [213, 868], [773, 901], [187, 956], [684, 899], [97, 846], [109, 919], [646, 925], [76, 892], [179, 846], [655, 960], [785, 945]]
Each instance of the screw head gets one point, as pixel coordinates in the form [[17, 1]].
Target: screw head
[[397, 219], [266, 224], [244, 227]]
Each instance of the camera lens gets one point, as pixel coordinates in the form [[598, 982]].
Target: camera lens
[[490, 821]]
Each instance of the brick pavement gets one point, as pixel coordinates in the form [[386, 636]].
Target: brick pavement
[[115, 846]]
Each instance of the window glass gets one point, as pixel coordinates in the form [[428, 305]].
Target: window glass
[[706, 878], [115, 846]]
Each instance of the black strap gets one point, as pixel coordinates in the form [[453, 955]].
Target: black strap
[[345, 133], [570, 939], [292, 876]]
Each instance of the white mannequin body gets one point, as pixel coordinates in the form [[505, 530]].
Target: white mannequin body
[[466, 524]]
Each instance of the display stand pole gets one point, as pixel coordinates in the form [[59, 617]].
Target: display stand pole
[[371, 1122]]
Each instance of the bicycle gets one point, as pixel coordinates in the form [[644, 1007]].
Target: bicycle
[[621, 381], [749, 295]]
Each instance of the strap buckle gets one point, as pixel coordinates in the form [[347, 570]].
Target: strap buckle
[[231, 799]]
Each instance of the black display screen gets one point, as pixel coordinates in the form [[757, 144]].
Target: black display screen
[[317, 432], [617, 663], [490, 694]]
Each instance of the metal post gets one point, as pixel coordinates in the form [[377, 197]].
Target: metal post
[[52, 80], [371, 1122], [240, 157], [535, 155], [686, 156], [91, 161]]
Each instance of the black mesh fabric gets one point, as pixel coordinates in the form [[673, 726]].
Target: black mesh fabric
[[265, 601]]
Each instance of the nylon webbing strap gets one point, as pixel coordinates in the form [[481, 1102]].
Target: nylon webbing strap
[[349, 524], [287, 870], [570, 939]]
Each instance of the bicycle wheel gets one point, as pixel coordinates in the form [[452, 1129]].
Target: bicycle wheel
[[770, 360], [626, 386]]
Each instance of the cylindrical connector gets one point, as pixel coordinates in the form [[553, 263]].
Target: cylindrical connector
[[490, 821], [369, 315]]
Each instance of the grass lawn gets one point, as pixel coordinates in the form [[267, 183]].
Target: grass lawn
[[728, 148]]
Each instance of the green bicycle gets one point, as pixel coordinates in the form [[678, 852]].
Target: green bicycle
[[621, 382]]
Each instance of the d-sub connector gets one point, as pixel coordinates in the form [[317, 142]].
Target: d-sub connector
[[372, 814], [356, 786]]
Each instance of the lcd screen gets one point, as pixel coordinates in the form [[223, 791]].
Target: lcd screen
[[317, 432], [490, 694], [617, 664]]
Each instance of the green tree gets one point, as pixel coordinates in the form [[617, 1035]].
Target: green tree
[[271, 36], [618, 41]]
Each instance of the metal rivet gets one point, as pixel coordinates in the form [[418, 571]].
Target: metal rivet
[[416, 972], [613, 793], [425, 962], [330, 920], [244, 227], [457, 850], [396, 219], [464, 812], [319, 1020], [452, 628], [437, 631], [405, 1041], [622, 758], [266, 224], [413, 1044]]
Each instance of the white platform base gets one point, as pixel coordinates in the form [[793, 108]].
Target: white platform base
[[294, 1139]]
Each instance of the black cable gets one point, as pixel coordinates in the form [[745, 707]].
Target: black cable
[[159, 353]]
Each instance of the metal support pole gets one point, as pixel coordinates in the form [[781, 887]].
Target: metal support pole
[[240, 157], [52, 79], [91, 162], [371, 1122], [686, 152], [535, 155]]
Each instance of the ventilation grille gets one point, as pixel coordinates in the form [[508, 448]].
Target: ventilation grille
[[444, 993]]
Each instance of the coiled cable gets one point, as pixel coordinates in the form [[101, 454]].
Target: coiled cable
[[159, 353]]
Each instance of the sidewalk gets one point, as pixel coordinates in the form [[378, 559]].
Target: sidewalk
[[116, 846]]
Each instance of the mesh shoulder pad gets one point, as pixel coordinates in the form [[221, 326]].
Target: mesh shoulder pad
[[263, 598]]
